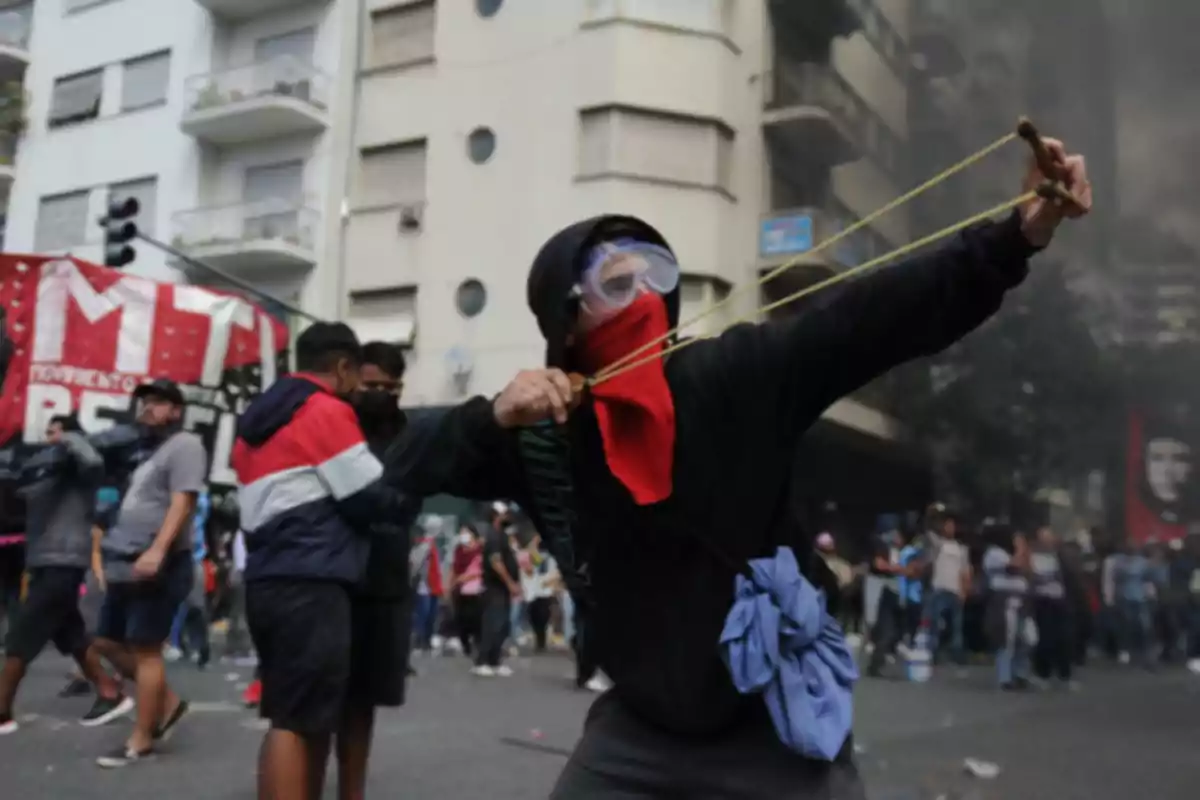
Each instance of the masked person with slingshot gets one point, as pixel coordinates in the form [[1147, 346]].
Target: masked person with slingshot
[[659, 489]]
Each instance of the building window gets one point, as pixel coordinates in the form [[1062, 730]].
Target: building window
[[61, 222], [300, 45], [655, 146], [471, 298], [402, 34], [488, 8], [145, 191], [390, 175], [706, 16], [76, 98], [283, 181], [388, 315], [144, 81], [481, 144]]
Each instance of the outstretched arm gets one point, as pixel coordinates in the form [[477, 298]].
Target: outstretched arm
[[463, 451]]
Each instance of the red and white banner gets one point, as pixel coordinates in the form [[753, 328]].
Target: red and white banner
[[83, 337], [1162, 489]]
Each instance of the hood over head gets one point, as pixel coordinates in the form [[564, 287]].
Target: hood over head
[[273, 409], [556, 271]]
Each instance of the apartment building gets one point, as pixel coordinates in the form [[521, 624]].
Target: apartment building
[[745, 131], [219, 116]]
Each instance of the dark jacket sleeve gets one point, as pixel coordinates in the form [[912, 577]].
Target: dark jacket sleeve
[[798, 366], [461, 452]]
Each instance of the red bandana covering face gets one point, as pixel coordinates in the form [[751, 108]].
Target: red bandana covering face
[[634, 410]]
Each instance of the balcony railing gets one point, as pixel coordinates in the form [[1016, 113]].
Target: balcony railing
[[16, 22], [799, 83], [280, 77], [230, 226]]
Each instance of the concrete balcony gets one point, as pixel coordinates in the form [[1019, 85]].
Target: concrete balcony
[[269, 238], [15, 27], [810, 113], [245, 9], [267, 100], [8, 158], [934, 39]]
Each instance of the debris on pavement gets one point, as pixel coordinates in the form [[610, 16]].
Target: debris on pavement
[[985, 770]]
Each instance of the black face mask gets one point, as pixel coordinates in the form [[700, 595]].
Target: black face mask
[[377, 411]]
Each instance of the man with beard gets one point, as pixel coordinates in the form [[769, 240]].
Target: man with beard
[[381, 608], [658, 487], [147, 562]]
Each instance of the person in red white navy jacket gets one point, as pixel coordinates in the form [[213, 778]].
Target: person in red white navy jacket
[[309, 491]]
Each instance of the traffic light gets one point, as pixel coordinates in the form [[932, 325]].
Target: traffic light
[[119, 231]]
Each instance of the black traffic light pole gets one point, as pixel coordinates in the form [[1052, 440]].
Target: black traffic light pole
[[225, 277], [120, 229]]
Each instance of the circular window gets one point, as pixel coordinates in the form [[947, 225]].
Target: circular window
[[470, 298], [488, 8], [481, 144]]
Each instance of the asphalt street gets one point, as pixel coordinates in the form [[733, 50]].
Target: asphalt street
[[1126, 735]]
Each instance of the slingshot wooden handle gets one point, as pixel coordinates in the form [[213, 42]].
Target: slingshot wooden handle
[[1052, 188], [579, 386]]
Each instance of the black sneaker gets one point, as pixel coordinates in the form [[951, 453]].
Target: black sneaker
[[106, 709], [163, 732], [123, 756], [8, 724], [78, 687]]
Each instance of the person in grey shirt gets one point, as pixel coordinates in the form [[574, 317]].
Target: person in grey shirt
[[147, 562], [59, 546]]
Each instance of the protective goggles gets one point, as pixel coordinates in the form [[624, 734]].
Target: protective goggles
[[617, 271]]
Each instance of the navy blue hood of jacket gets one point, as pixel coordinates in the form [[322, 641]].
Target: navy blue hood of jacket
[[555, 273], [274, 409]]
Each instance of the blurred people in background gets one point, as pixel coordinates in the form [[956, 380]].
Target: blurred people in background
[[60, 513], [1134, 588], [888, 626], [1006, 565], [537, 585], [912, 559], [425, 571], [189, 631], [501, 582], [1053, 654], [949, 584], [466, 575]]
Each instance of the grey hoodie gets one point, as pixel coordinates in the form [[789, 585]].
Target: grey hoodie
[[60, 509]]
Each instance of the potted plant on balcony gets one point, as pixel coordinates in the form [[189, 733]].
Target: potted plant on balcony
[[208, 97]]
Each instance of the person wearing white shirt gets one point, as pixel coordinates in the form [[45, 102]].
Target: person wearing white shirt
[[948, 584], [538, 586]]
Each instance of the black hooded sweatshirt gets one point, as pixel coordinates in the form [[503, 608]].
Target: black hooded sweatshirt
[[662, 576]]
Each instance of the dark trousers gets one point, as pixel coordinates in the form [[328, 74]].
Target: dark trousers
[[887, 630], [424, 624], [539, 620], [621, 757], [586, 665], [1054, 655], [194, 633], [494, 628], [468, 619]]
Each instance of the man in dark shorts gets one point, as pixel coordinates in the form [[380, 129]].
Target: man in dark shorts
[[147, 558], [309, 492], [381, 609], [60, 511]]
